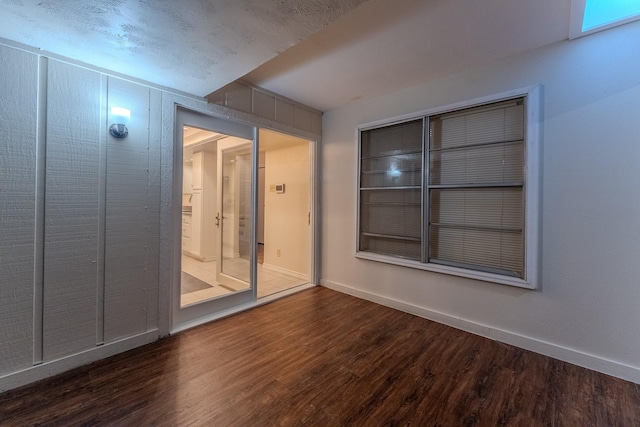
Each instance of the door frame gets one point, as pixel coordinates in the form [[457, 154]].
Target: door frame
[[185, 317], [169, 320]]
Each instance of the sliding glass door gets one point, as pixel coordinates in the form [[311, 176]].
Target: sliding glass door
[[214, 262]]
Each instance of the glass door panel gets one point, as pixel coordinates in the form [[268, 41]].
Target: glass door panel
[[212, 190], [234, 216]]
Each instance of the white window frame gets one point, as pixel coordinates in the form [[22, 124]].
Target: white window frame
[[532, 227]]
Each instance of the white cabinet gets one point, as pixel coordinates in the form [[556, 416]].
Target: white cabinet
[[196, 224], [187, 176], [186, 233], [198, 170]]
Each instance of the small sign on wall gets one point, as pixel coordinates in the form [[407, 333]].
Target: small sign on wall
[[276, 188]]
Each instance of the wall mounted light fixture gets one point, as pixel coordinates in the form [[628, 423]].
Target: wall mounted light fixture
[[120, 116]]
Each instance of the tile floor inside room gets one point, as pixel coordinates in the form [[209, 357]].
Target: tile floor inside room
[[200, 283]]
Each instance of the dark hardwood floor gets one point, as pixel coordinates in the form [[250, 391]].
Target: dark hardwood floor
[[321, 358]]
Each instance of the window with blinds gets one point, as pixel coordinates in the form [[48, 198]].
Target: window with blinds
[[448, 189], [391, 190], [476, 180]]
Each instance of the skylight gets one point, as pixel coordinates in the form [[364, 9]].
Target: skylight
[[589, 16], [602, 12]]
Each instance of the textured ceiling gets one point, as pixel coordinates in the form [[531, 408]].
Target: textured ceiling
[[195, 46], [322, 53], [384, 46]]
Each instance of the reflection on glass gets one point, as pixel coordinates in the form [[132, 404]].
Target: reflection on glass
[[236, 213], [216, 196]]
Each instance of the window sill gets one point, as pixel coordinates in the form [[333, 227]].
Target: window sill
[[444, 269]]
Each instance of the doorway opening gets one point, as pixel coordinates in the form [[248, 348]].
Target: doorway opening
[[217, 214], [284, 212]]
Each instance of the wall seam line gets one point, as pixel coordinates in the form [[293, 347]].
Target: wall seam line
[[147, 212], [102, 211], [40, 213]]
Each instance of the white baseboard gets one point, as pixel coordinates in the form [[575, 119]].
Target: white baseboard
[[589, 361], [199, 258], [277, 269], [38, 372]]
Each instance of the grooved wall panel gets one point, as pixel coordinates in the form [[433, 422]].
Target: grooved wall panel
[[264, 105], [259, 103], [127, 211], [285, 112], [18, 118], [71, 210], [153, 211], [302, 118], [239, 96]]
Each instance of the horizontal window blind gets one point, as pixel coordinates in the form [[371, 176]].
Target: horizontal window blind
[[500, 163], [501, 121], [480, 228], [450, 189], [391, 190], [392, 140], [392, 171], [476, 184]]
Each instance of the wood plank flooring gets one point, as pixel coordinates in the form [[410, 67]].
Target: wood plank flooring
[[321, 358]]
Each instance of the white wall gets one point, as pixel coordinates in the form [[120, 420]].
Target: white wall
[[79, 216], [286, 225], [588, 308], [89, 225]]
